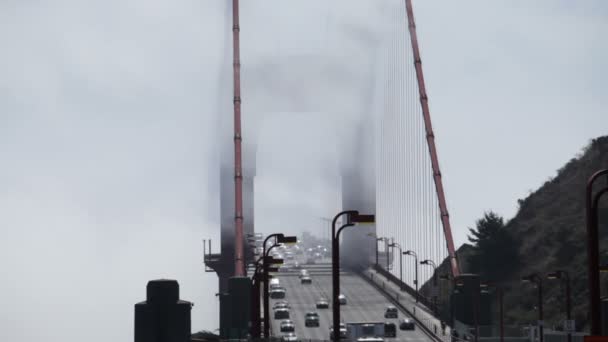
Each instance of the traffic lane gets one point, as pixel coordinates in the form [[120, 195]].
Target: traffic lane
[[302, 299], [366, 304]]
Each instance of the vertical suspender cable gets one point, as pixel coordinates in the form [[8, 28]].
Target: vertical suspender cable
[[239, 269], [445, 219]]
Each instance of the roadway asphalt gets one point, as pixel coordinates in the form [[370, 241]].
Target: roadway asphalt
[[364, 304]]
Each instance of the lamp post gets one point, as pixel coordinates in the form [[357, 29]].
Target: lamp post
[[279, 239], [563, 275], [535, 278], [431, 263], [394, 244], [378, 239], [459, 283], [412, 253], [592, 206], [500, 295], [352, 218]]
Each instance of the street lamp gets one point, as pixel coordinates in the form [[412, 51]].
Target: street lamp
[[255, 290], [563, 275], [279, 239], [353, 217], [378, 239], [432, 263], [459, 283], [412, 253], [535, 278], [394, 244], [592, 207], [500, 295]]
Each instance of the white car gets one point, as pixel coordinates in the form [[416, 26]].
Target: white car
[[289, 337], [342, 299]]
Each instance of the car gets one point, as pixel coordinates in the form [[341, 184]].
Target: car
[[370, 339], [322, 304], [318, 255], [282, 304], [390, 330], [310, 261], [407, 324], [306, 280], [342, 331], [303, 273], [288, 337], [342, 299], [287, 326], [284, 268], [281, 313], [277, 293], [391, 312], [311, 319], [296, 265]]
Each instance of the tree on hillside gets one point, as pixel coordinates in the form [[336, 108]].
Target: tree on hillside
[[494, 250]]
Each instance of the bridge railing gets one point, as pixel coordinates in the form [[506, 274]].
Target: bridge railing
[[412, 292], [405, 300]]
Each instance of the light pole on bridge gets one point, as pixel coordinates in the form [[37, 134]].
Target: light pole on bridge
[[394, 244], [432, 263], [500, 295], [412, 253], [536, 279], [279, 239], [563, 275], [352, 217], [378, 239]]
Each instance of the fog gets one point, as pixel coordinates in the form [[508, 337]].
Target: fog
[[110, 152], [114, 117]]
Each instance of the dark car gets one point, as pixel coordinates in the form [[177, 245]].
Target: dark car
[[287, 326], [391, 312], [312, 319], [281, 314], [278, 293], [322, 304], [390, 330], [407, 324], [306, 280], [342, 331]]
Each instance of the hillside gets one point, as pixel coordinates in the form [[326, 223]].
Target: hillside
[[549, 230]]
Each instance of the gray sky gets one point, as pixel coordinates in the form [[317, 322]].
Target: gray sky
[[108, 133]]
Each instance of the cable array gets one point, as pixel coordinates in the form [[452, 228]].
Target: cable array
[[407, 205]]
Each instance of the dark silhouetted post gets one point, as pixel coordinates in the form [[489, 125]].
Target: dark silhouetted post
[[280, 238], [535, 278], [591, 204], [352, 218], [563, 275], [499, 294], [163, 317]]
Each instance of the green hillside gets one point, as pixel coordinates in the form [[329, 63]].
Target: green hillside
[[548, 233]]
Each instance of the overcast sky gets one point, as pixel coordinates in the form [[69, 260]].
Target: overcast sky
[[109, 145]]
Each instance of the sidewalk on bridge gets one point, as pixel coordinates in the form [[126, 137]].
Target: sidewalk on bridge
[[420, 312]]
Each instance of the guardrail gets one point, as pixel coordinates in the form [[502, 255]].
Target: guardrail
[[412, 292], [426, 321]]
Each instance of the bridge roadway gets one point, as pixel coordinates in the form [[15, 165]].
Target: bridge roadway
[[364, 304]]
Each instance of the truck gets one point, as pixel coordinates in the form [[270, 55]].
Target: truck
[[357, 331]]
